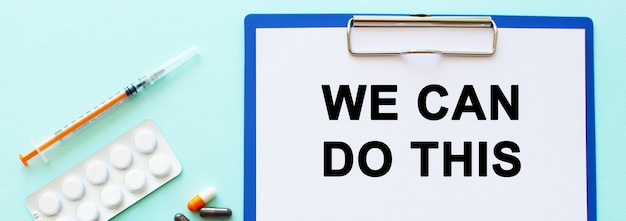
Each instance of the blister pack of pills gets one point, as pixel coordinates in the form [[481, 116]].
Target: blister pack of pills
[[110, 180]]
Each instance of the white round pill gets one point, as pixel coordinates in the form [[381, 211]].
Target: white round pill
[[97, 173], [87, 212], [145, 141], [73, 189], [135, 181], [111, 197], [62, 219], [49, 204], [159, 165], [121, 158]]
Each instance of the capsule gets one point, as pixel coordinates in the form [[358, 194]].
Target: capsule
[[201, 199], [180, 217], [215, 212]]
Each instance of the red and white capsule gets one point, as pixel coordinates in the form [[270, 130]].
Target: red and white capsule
[[201, 199]]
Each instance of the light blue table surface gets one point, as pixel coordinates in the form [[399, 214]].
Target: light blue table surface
[[59, 59]]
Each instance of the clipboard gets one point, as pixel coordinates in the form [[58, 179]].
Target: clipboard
[[342, 126]]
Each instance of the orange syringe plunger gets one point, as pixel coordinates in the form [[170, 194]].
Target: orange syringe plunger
[[198, 201], [75, 125]]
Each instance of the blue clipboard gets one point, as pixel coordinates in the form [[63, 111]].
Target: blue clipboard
[[256, 22]]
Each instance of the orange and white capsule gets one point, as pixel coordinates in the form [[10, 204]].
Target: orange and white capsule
[[201, 199]]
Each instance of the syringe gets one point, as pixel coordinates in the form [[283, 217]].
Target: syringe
[[144, 81]]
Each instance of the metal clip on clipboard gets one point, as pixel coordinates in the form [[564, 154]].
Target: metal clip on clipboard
[[425, 22]]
